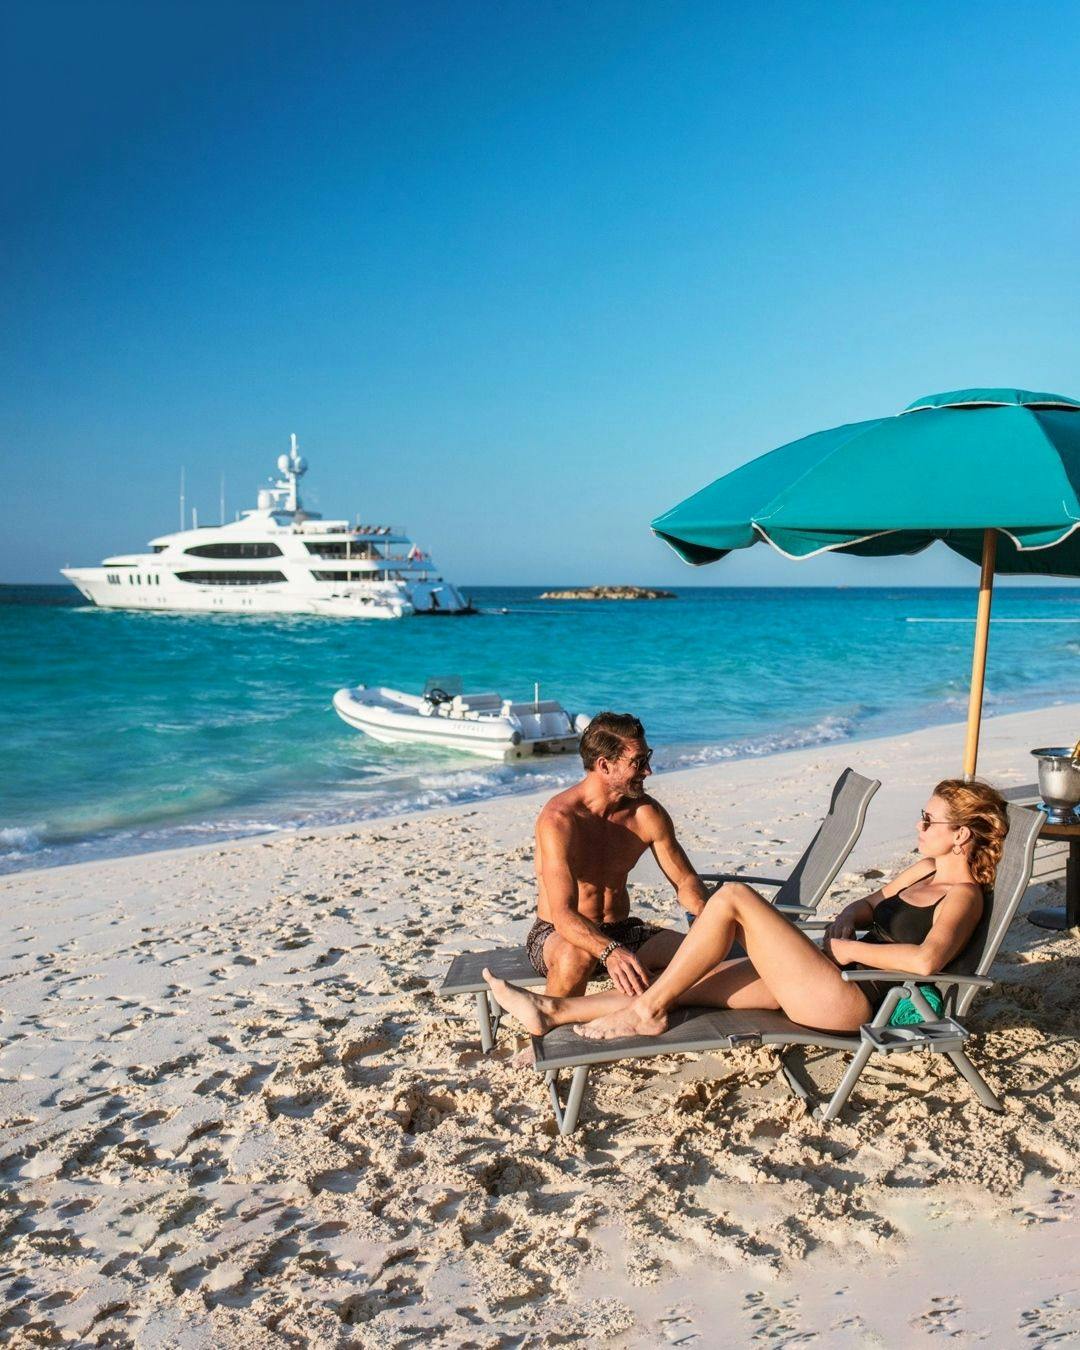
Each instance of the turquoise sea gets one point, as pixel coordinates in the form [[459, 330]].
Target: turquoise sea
[[124, 732]]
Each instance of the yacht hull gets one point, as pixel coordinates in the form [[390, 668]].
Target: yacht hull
[[387, 602]]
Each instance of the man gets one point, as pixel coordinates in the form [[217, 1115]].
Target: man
[[588, 839]]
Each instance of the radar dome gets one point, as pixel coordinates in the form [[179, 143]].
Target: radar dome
[[283, 463]]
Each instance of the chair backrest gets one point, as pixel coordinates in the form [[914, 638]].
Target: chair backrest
[[828, 850], [1013, 875]]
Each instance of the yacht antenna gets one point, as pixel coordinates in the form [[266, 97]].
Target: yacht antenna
[[223, 499], [181, 496], [194, 517]]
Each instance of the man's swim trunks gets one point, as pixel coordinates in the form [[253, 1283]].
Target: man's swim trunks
[[629, 933]]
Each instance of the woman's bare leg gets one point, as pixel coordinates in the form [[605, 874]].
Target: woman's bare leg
[[538, 1013], [800, 978], [732, 984], [707, 944]]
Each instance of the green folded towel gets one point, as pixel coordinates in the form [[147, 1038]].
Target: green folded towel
[[906, 1014]]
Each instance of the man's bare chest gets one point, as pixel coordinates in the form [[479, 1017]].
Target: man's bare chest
[[604, 850]]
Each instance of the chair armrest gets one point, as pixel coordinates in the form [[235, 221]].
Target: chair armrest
[[721, 877], [906, 977], [812, 922]]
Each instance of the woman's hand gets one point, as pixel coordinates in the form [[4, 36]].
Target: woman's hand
[[842, 950], [843, 926]]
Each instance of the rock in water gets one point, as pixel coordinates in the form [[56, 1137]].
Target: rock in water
[[609, 593]]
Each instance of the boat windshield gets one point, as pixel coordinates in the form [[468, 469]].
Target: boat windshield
[[449, 684]]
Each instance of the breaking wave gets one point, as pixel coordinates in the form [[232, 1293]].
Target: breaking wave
[[827, 730], [20, 841]]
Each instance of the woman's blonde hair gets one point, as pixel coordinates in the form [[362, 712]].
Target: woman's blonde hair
[[982, 809]]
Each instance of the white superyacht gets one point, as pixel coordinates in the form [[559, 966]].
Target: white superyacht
[[276, 559]]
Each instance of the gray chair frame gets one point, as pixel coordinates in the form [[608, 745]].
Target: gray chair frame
[[798, 896], [802, 890], [698, 1030]]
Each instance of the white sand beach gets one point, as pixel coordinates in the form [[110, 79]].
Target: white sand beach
[[236, 1113]]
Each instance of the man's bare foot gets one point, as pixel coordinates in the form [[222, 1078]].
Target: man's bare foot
[[519, 1003], [634, 1020]]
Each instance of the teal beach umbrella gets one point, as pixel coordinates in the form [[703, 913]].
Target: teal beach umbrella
[[993, 473]]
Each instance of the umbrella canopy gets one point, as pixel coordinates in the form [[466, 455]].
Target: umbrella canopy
[[992, 473]]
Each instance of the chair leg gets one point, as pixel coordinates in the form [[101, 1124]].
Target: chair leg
[[566, 1117], [799, 1082], [861, 1057], [483, 1017], [978, 1083], [835, 1104], [496, 1016]]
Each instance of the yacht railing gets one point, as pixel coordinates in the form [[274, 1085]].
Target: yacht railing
[[341, 554]]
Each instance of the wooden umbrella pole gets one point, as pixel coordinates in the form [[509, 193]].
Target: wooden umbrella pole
[[978, 661]]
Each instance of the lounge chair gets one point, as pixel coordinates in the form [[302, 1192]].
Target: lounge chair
[[802, 890], [798, 895], [697, 1030]]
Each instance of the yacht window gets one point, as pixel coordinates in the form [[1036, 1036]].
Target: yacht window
[[344, 575], [230, 578], [159, 548], [334, 549], [245, 549]]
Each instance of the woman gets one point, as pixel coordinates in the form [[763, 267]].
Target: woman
[[918, 922]]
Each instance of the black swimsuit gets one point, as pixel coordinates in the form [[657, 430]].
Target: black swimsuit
[[895, 920]]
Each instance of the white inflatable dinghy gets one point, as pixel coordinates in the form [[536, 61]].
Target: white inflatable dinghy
[[478, 724]]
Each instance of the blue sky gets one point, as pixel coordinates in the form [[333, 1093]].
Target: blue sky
[[520, 276]]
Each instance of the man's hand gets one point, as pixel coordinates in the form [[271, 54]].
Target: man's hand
[[627, 973]]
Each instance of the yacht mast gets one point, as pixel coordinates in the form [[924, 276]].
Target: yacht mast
[[292, 468]]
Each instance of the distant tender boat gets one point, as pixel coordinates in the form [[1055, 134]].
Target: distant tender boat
[[477, 724]]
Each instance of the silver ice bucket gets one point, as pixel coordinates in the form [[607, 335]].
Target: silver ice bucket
[[1059, 784]]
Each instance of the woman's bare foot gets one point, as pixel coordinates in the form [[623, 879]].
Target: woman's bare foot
[[528, 1008], [635, 1020]]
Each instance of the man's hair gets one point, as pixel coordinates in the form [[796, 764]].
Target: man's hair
[[606, 736]]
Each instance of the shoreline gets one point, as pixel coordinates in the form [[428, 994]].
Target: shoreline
[[235, 1106], [561, 770]]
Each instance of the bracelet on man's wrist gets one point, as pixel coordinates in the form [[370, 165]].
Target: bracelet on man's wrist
[[606, 953]]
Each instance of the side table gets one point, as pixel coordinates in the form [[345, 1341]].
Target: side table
[[1069, 917]]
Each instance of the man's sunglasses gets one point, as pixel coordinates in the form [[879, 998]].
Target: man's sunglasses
[[640, 762]]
